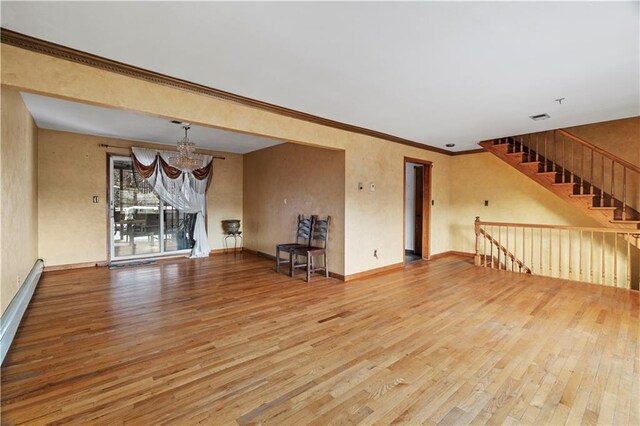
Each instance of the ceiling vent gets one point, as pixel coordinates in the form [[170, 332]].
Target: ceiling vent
[[539, 117]]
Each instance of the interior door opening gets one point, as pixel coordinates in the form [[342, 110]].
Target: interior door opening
[[417, 200], [140, 224]]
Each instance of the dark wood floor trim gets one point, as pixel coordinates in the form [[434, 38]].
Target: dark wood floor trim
[[27, 42], [451, 253], [376, 271], [67, 266]]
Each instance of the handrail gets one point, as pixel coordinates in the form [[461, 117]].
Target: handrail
[[592, 171], [567, 228], [506, 252], [600, 151]]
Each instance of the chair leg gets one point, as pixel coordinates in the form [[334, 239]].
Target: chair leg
[[291, 264], [309, 266], [277, 259], [326, 266]]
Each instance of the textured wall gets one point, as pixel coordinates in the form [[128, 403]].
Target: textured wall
[[372, 221], [512, 196], [73, 168], [312, 182], [19, 206], [621, 138]]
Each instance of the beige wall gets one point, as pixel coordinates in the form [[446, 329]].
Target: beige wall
[[19, 207], [73, 168], [312, 182], [372, 221], [621, 138], [512, 196]]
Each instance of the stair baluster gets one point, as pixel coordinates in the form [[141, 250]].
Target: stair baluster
[[598, 259]]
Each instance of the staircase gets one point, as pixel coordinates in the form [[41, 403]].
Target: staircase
[[600, 184]]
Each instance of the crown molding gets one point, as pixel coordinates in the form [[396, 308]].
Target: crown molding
[[27, 42], [469, 151]]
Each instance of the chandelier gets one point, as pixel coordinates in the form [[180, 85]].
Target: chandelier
[[186, 159]]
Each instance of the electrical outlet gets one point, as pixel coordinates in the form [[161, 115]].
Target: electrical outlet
[[96, 200], [372, 186]]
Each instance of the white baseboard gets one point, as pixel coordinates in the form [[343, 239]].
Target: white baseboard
[[13, 314]]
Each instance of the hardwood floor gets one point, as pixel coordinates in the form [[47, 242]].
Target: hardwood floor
[[227, 340]]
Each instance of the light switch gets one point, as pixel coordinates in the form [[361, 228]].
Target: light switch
[[96, 200]]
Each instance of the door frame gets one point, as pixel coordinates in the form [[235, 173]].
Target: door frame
[[426, 205]]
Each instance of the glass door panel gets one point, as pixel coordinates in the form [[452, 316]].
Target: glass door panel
[[135, 214], [178, 229], [137, 228]]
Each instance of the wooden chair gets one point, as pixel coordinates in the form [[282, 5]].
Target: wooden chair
[[303, 239], [318, 247]]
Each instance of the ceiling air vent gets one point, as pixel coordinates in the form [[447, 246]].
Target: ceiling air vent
[[539, 117]]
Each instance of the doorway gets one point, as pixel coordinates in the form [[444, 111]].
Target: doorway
[[417, 202], [140, 224]]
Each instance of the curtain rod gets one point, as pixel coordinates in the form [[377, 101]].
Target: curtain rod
[[104, 145]]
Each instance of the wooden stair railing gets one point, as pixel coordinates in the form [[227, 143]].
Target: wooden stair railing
[[502, 252], [606, 256], [578, 171]]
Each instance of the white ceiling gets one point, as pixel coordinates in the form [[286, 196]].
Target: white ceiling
[[431, 72], [56, 114]]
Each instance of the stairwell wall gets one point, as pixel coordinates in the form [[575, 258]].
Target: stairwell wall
[[622, 139], [512, 197]]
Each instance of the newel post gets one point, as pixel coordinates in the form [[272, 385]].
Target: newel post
[[476, 258]]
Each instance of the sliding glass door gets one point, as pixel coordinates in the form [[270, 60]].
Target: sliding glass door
[[141, 225]]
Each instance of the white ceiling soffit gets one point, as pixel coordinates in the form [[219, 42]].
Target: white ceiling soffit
[[55, 114], [431, 72]]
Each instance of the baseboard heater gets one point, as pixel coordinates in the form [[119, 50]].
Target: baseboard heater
[[13, 314]]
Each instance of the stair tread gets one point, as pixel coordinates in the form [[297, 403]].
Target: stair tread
[[582, 195], [529, 163], [628, 221], [547, 173], [563, 183], [603, 208], [515, 153]]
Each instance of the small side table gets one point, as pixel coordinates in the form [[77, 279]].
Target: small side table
[[235, 237]]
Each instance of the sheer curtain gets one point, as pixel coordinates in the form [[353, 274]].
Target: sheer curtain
[[185, 190]]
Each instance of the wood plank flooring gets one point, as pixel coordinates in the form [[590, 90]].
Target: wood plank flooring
[[226, 340]]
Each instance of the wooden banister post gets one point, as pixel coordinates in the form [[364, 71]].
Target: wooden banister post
[[476, 260]]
